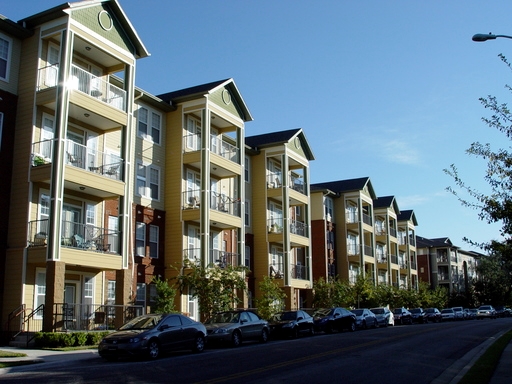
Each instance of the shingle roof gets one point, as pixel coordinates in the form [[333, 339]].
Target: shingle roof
[[407, 215], [441, 242], [342, 186], [271, 138], [195, 91]]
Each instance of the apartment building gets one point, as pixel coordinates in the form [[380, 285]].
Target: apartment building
[[72, 163], [204, 180], [407, 224], [348, 216], [11, 37], [278, 229], [441, 263]]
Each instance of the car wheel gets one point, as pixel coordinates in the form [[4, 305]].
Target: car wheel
[[153, 349], [236, 339], [264, 336], [198, 343], [328, 328], [352, 326]]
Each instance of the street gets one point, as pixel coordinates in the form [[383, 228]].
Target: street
[[417, 353]]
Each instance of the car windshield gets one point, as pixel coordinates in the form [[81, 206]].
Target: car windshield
[[485, 307], [324, 312], [286, 316], [430, 310], [397, 311], [415, 310], [378, 311], [225, 317], [357, 312], [142, 322], [447, 311]]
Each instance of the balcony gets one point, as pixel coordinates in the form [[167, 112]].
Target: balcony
[[76, 235], [297, 184], [80, 156], [392, 231], [298, 228], [299, 271], [218, 202], [85, 82], [223, 259], [394, 259], [368, 250]]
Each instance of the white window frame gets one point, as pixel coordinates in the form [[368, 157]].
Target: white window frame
[[39, 290], [154, 236], [151, 120], [247, 257], [141, 293], [111, 292], [247, 170], [145, 182], [247, 211], [328, 208], [140, 239], [6, 54]]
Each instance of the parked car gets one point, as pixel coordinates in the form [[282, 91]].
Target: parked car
[[291, 324], [448, 314], [433, 314], [486, 311], [237, 326], [365, 318], [384, 316], [502, 311], [468, 315], [334, 319], [418, 315], [472, 313], [402, 316], [459, 313], [150, 335]]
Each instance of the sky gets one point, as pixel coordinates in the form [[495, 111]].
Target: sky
[[385, 89]]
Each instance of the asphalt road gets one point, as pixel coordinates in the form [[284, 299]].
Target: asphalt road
[[420, 353]]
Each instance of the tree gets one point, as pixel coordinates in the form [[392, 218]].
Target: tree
[[271, 300], [165, 293], [495, 207], [216, 289]]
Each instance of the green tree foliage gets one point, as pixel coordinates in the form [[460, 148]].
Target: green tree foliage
[[165, 294], [216, 289], [271, 299], [333, 293], [495, 207]]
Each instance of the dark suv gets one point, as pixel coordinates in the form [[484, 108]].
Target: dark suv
[[402, 316]]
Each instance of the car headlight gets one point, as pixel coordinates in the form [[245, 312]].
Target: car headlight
[[324, 320], [135, 340], [220, 330], [288, 325]]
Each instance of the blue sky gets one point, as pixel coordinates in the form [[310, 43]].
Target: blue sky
[[384, 89]]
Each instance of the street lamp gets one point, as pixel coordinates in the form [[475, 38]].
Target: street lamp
[[488, 36]]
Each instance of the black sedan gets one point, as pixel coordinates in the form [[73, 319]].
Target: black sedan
[[402, 316], [334, 319], [237, 326], [418, 315], [433, 314], [150, 335], [291, 324]]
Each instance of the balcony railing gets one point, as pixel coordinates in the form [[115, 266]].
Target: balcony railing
[[85, 82], [275, 225], [368, 250], [80, 156], [442, 259], [223, 259], [381, 259], [413, 265], [298, 228], [92, 317], [353, 249], [274, 180], [367, 219], [403, 265], [218, 201], [394, 259], [392, 231], [297, 184], [76, 235], [224, 149], [299, 271], [412, 240]]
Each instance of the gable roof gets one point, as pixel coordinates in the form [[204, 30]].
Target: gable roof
[[344, 186], [13, 29], [64, 9], [440, 242], [386, 202], [280, 137], [202, 90], [408, 215]]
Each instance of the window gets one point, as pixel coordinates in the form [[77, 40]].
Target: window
[[247, 175], [1, 125], [247, 256], [149, 125], [111, 292], [247, 210], [141, 293], [194, 133], [88, 290], [140, 239], [40, 289], [5, 53], [147, 173], [329, 210], [152, 293], [153, 241]]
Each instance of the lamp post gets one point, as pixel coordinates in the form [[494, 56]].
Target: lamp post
[[487, 36]]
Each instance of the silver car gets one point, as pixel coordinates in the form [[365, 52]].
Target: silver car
[[384, 316], [235, 327]]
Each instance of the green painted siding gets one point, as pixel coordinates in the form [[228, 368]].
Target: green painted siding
[[233, 108], [89, 18]]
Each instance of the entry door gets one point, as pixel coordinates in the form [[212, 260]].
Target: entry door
[[71, 222], [69, 310]]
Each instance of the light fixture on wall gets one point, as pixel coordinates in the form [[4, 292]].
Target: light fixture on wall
[[82, 188], [86, 115], [87, 48]]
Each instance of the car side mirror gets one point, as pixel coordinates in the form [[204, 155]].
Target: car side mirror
[[243, 321], [300, 318], [163, 327]]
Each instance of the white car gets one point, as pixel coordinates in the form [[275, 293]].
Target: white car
[[384, 316], [448, 314]]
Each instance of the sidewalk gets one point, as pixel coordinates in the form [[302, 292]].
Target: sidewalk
[[503, 372], [47, 356]]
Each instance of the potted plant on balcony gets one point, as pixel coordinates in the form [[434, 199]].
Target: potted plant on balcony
[[38, 160]]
